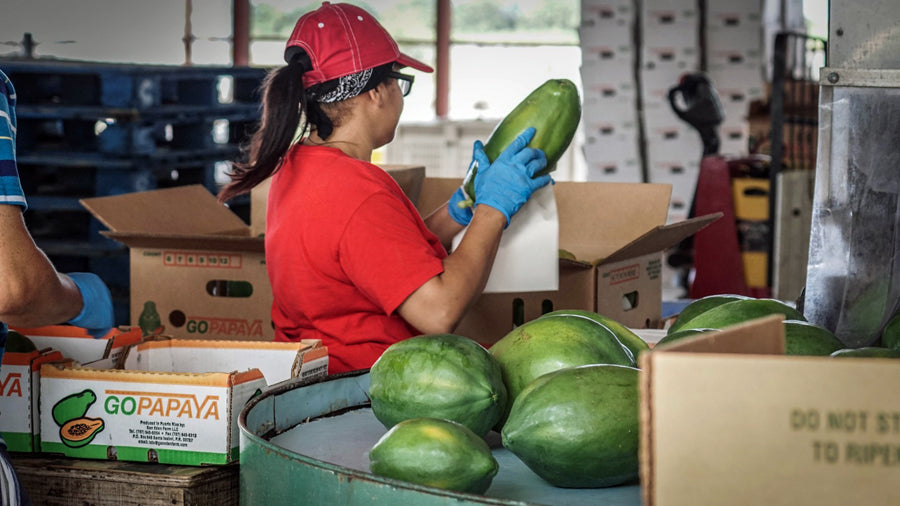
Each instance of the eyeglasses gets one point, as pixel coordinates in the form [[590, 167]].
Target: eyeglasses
[[404, 80]]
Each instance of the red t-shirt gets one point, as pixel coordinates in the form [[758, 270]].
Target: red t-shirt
[[344, 248]]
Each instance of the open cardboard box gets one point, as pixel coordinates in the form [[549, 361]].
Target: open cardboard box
[[617, 233], [727, 418], [76, 343], [172, 401], [20, 393], [20, 374], [196, 271]]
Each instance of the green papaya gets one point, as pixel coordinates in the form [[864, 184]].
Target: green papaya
[[436, 453], [578, 427], [805, 338], [438, 376], [80, 431], [17, 343], [626, 336], [867, 352], [73, 406], [890, 337], [739, 311], [701, 305], [549, 343], [553, 109], [681, 334]]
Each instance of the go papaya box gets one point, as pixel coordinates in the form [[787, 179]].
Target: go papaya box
[[196, 270], [613, 235], [20, 376], [172, 401], [727, 418]]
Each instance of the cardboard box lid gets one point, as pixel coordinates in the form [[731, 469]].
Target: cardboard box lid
[[183, 216], [662, 237]]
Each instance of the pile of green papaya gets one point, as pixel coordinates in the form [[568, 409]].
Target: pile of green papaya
[[562, 391], [802, 338]]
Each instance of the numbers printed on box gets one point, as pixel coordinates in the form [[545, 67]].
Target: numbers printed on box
[[202, 259]]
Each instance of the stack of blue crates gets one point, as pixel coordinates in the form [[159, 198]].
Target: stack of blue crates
[[90, 129]]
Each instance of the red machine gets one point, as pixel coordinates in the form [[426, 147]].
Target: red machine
[[716, 251]]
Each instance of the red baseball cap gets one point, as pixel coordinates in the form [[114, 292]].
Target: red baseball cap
[[343, 39]]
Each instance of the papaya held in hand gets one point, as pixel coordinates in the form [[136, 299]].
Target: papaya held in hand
[[553, 109]]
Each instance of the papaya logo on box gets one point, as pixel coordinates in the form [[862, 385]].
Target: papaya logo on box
[[76, 429], [215, 326], [167, 405]]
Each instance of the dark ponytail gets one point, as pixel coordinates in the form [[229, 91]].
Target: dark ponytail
[[283, 102]]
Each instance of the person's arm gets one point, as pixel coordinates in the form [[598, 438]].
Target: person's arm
[[443, 225], [501, 189], [32, 293]]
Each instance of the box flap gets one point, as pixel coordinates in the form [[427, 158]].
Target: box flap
[[762, 336], [189, 210], [598, 219], [192, 242], [661, 237], [436, 191]]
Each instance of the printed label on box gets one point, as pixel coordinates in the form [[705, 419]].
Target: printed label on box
[[142, 421]]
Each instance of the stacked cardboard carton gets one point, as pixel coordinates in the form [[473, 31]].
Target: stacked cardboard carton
[[735, 63], [610, 116]]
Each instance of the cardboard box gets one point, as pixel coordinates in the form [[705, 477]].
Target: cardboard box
[[173, 401], [727, 418], [76, 343], [194, 263], [20, 375], [20, 393], [617, 233]]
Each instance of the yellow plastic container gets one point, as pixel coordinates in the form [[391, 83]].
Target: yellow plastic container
[[755, 268], [751, 198]]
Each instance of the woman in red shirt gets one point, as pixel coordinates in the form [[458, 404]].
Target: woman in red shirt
[[350, 260]]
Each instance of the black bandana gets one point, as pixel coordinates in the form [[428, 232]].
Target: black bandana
[[349, 86]]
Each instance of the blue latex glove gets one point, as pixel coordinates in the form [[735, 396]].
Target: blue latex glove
[[462, 214], [509, 182], [97, 314]]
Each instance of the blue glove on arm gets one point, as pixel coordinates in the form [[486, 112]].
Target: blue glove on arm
[[97, 313], [462, 214], [509, 182]]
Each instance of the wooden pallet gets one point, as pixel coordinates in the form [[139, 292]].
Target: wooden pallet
[[67, 481]]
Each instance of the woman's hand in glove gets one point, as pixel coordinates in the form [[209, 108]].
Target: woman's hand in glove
[[509, 182]]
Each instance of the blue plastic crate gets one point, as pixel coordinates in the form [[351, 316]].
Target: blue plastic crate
[[131, 87]]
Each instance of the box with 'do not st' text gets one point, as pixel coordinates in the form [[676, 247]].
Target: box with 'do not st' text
[[728, 418]]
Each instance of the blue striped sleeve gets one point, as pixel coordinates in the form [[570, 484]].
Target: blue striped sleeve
[[10, 186]]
